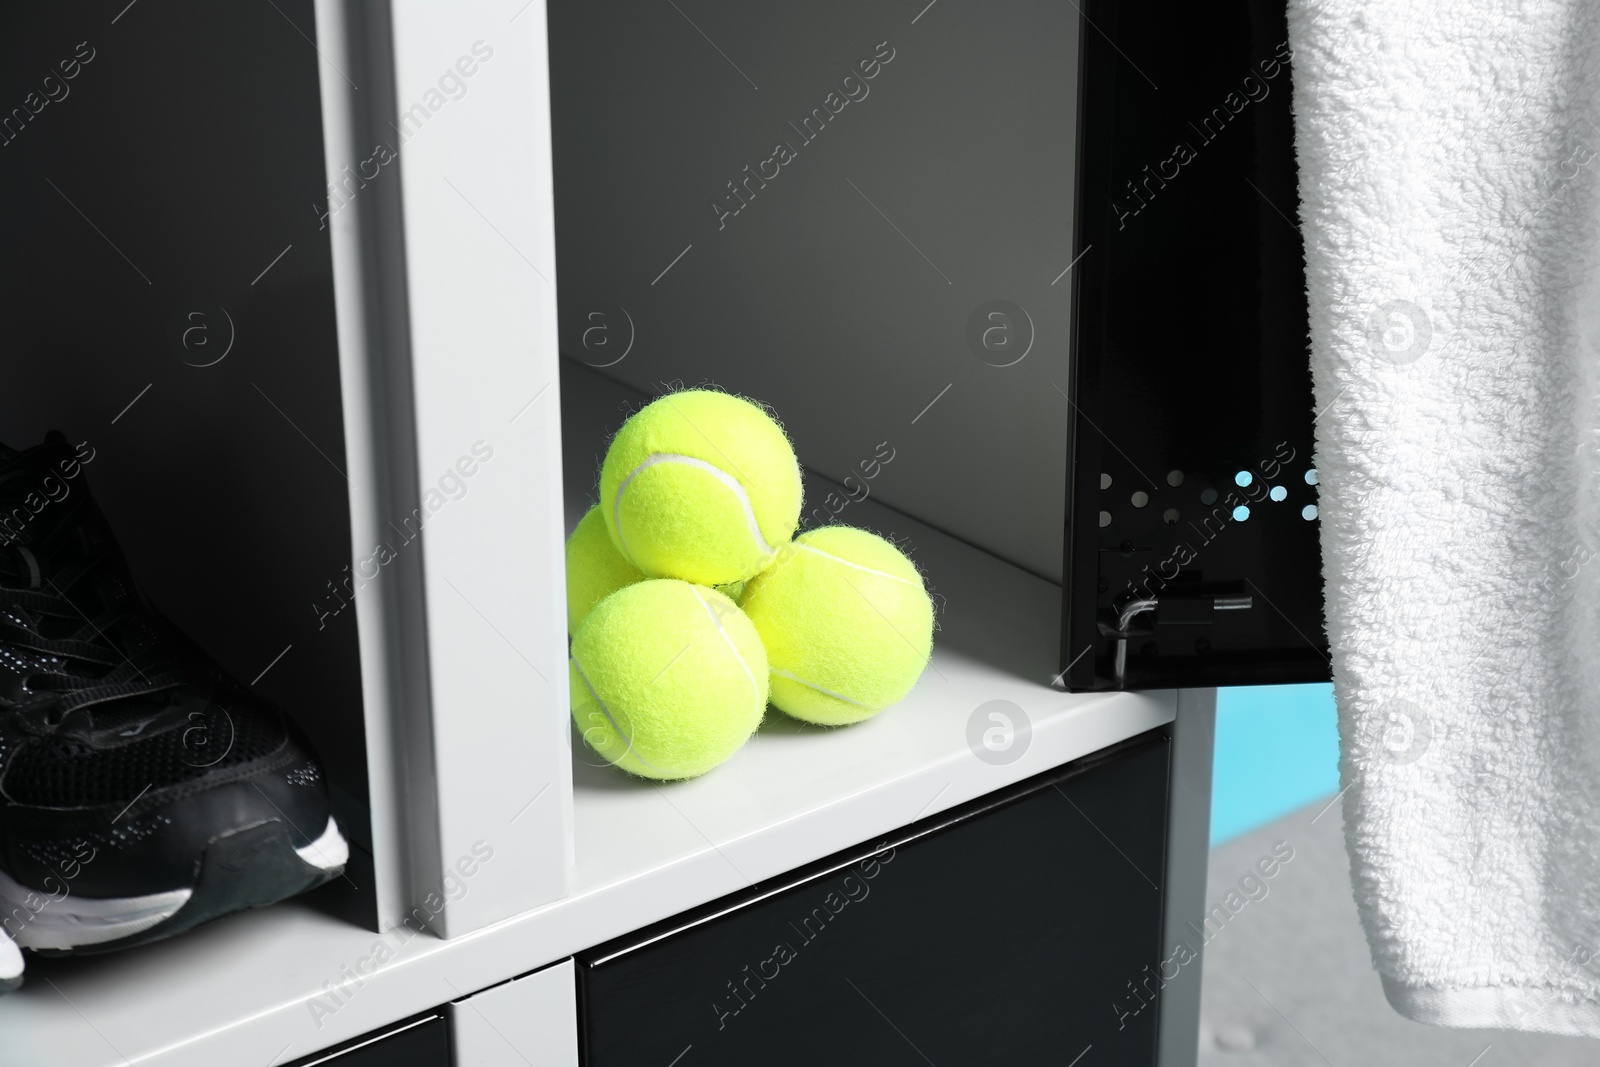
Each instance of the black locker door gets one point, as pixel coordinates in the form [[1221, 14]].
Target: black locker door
[[1192, 554], [1022, 928], [420, 1042]]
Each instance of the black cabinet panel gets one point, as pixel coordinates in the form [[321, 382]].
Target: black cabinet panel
[[1192, 439], [1005, 931], [423, 1042]]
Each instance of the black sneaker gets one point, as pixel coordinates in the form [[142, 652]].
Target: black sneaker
[[143, 791]]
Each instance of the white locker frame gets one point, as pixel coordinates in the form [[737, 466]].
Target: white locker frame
[[446, 314], [441, 291]]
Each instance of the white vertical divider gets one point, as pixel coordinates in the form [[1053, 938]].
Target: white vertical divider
[[436, 124], [531, 1021], [1194, 734], [472, 128], [360, 312]]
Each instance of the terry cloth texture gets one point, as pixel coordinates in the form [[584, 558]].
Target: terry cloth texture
[[1449, 153]]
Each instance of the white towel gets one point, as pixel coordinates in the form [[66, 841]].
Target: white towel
[[1449, 156]]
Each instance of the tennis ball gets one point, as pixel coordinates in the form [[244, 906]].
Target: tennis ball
[[702, 486], [595, 569], [846, 623], [668, 679]]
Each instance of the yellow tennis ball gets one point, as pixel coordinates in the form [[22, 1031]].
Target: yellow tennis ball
[[846, 623], [668, 679], [595, 569], [702, 486]]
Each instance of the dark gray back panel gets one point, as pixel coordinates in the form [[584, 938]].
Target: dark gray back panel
[[884, 280]]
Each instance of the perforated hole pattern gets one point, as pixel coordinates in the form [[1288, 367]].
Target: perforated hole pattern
[[1172, 515]]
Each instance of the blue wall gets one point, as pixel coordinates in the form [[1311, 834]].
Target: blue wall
[[1277, 750]]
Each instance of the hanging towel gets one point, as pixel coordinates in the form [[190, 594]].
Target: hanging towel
[[1449, 155]]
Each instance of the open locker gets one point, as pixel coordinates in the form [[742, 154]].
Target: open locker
[[950, 249], [961, 237], [177, 324], [202, 234], [926, 236]]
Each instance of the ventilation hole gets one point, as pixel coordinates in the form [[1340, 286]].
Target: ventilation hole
[[1309, 512], [1311, 476], [1208, 497], [1105, 518], [1279, 493], [1202, 645], [1174, 478], [1242, 478], [1139, 499], [1105, 481], [1241, 513], [1170, 516]]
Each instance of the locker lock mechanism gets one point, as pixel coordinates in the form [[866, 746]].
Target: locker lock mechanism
[[1190, 609]]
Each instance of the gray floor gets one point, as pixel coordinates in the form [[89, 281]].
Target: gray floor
[[1289, 982]]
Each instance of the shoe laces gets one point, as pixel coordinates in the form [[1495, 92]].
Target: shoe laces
[[67, 659]]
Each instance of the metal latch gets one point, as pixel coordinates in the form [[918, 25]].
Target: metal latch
[[1174, 610]]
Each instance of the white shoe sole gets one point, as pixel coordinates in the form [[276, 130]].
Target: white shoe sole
[[10, 964], [44, 921]]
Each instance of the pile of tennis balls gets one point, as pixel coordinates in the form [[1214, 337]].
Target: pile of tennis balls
[[691, 602]]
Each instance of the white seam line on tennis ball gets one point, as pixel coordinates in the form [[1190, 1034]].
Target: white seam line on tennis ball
[[820, 689], [726, 637], [601, 704], [857, 566], [716, 472], [685, 417]]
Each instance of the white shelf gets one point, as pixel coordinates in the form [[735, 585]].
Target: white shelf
[[237, 992]]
